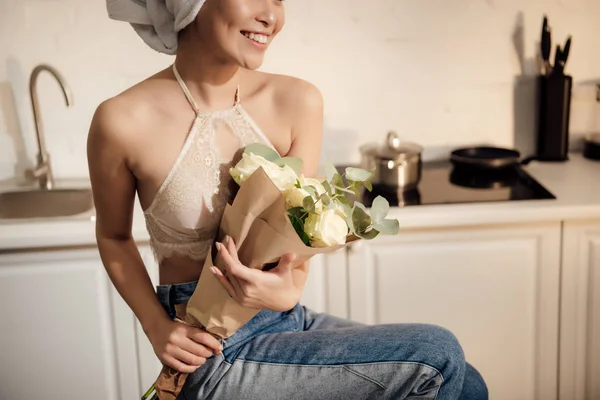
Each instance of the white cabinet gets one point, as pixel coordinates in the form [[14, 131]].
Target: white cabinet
[[496, 288], [326, 288], [65, 332], [580, 312], [58, 333]]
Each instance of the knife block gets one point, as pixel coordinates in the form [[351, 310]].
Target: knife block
[[554, 109]]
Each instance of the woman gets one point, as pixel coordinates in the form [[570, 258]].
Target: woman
[[170, 139]]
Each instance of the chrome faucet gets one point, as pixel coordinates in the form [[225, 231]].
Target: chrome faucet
[[43, 169]]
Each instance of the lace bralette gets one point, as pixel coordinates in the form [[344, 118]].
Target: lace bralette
[[184, 217]]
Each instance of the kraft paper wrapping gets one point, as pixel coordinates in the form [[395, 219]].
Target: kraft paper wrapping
[[258, 223]]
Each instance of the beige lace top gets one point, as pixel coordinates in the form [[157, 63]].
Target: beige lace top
[[184, 216]]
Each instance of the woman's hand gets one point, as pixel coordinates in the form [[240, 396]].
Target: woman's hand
[[182, 347], [251, 287]]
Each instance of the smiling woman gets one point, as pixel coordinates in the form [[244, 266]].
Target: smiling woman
[[171, 139]]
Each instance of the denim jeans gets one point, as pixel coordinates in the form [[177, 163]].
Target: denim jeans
[[303, 355]]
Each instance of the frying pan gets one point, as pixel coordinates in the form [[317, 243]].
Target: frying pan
[[483, 157]]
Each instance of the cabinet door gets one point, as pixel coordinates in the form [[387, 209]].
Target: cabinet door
[[580, 312], [58, 332], [496, 288], [326, 288]]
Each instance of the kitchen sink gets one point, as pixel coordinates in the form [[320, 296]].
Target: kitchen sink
[[42, 203]]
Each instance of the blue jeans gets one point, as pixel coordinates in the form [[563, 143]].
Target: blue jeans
[[303, 355]]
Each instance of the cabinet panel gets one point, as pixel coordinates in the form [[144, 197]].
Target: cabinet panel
[[496, 288], [326, 286], [580, 312], [57, 327]]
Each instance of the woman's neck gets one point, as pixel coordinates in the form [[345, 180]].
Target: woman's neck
[[211, 81]]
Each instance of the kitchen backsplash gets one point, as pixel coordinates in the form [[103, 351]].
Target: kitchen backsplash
[[439, 72]]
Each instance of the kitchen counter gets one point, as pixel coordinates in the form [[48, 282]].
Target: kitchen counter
[[576, 185]]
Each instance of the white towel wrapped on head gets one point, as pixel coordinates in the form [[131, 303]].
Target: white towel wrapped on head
[[157, 22]]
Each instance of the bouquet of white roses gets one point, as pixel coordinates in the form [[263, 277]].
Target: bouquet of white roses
[[275, 211], [320, 210]]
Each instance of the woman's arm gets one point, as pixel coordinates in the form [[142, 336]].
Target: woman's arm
[[280, 288], [113, 186]]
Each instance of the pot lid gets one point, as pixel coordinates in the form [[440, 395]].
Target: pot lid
[[392, 149]]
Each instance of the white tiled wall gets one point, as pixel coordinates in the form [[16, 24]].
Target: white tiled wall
[[440, 72]]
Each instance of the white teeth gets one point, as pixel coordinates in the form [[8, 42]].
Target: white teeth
[[257, 37]]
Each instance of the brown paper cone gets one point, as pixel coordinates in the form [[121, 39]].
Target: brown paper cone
[[258, 223], [169, 383]]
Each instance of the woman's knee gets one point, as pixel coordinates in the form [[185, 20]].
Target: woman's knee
[[442, 346], [474, 387]]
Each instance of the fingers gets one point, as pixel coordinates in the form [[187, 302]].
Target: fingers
[[230, 245], [286, 262], [232, 265], [179, 366], [187, 361], [196, 349], [205, 339], [224, 281]]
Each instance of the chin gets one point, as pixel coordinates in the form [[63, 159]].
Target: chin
[[251, 62]]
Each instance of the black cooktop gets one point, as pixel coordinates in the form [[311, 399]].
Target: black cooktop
[[442, 183]]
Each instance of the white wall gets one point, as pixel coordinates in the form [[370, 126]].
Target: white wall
[[440, 72]]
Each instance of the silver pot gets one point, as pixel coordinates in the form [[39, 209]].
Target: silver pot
[[395, 164]]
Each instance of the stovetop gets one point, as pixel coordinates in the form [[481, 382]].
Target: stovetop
[[442, 183]]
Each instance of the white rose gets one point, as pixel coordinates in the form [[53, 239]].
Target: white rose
[[304, 181], [283, 177], [294, 196], [339, 210], [326, 229]]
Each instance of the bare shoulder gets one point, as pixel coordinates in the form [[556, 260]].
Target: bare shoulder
[[118, 119], [290, 97], [296, 95]]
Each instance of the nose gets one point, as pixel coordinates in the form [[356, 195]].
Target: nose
[[266, 16]]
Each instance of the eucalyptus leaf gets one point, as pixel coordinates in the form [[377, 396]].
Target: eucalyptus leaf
[[338, 182], [298, 212], [349, 220], [308, 203], [312, 191], [368, 185], [262, 150], [343, 200], [294, 163], [369, 235], [326, 186], [355, 187], [298, 225], [325, 199], [331, 171], [358, 174], [379, 209], [343, 189], [347, 212], [387, 226], [360, 218]]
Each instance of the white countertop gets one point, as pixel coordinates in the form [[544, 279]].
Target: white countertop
[[576, 185]]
